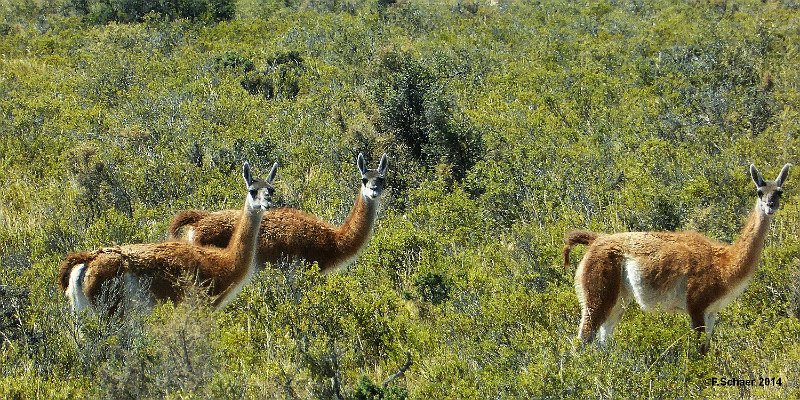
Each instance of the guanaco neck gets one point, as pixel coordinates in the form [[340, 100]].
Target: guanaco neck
[[746, 250], [357, 228], [241, 248]]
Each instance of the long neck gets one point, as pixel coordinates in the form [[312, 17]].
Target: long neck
[[242, 245], [747, 248], [357, 228]]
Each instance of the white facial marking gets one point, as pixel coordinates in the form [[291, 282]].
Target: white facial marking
[[260, 203], [765, 208], [369, 193]]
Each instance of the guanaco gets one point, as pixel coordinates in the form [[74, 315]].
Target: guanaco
[[681, 271]]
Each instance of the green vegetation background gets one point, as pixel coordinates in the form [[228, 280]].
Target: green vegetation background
[[507, 125]]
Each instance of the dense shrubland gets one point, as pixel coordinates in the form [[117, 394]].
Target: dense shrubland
[[506, 125]]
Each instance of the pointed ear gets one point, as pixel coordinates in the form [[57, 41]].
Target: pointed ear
[[383, 165], [782, 176], [272, 173], [248, 178], [757, 179], [362, 165]]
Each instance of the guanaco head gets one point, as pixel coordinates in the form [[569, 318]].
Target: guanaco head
[[769, 192], [259, 191], [372, 179]]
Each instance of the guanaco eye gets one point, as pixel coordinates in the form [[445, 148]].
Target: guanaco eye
[[760, 192], [253, 193], [364, 181]]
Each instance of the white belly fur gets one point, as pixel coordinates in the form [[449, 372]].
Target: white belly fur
[[649, 298]]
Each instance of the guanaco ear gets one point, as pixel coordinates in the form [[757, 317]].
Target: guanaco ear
[[272, 173], [383, 165], [757, 179], [782, 176], [248, 177], [362, 165]]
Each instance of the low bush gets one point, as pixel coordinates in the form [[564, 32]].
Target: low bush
[[104, 11]]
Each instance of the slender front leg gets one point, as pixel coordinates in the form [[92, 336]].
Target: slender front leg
[[700, 324], [710, 320]]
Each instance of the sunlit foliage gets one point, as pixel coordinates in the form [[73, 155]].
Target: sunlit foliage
[[507, 123]]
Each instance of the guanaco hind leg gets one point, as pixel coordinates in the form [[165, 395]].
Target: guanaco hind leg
[[602, 303]]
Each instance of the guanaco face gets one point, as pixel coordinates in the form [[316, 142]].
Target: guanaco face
[[769, 192], [372, 180], [259, 191]]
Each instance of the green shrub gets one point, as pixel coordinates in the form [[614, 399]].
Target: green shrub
[[417, 111], [234, 61], [367, 390], [104, 11], [506, 125], [101, 188], [433, 288], [14, 310], [279, 80], [229, 160]]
